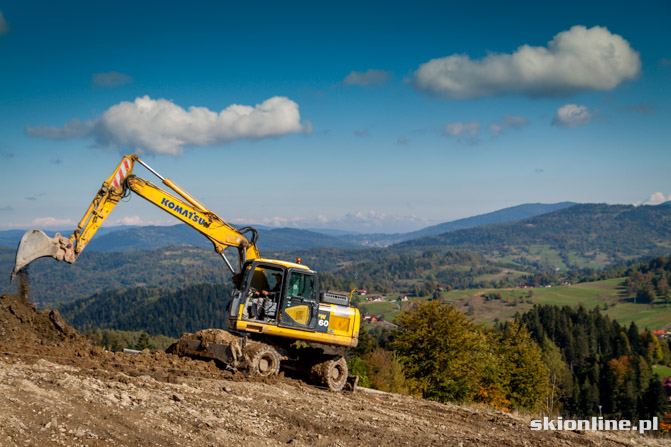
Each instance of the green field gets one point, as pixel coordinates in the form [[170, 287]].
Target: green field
[[661, 371], [609, 295], [380, 307]]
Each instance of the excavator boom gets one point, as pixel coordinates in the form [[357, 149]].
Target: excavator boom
[[36, 244]]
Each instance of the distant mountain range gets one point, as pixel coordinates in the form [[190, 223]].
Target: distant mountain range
[[581, 235], [153, 237], [512, 214], [578, 236]]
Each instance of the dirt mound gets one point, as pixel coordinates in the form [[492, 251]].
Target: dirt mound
[[22, 324], [27, 332]]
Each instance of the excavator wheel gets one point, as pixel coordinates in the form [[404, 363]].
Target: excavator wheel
[[264, 361], [331, 373]]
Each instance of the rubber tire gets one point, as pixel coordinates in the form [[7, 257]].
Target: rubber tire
[[265, 362], [331, 373]]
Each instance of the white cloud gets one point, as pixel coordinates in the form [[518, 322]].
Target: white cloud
[[367, 79], [4, 28], [139, 221], [574, 60], [49, 222], [353, 221], [508, 122], [657, 198], [160, 126], [111, 79], [462, 129], [573, 115], [73, 129]]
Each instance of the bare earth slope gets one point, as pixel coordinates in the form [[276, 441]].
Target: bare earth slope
[[56, 389]]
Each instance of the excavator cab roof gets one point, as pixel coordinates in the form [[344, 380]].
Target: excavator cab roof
[[285, 264]]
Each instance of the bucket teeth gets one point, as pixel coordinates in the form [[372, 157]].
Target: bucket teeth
[[36, 244]]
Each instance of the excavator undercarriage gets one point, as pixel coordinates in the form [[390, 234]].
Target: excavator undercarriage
[[322, 366]]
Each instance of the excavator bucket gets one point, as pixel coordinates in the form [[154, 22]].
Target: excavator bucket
[[36, 244]]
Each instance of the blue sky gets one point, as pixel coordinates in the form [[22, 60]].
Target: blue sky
[[375, 117]]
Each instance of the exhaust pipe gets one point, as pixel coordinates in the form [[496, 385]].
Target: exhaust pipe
[[36, 244]]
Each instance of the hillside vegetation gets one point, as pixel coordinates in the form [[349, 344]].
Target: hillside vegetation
[[589, 235], [170, 268]]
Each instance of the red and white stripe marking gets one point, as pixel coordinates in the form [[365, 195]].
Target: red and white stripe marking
[[121, 174]]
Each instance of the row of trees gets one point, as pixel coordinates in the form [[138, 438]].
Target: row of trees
[[438, 353]]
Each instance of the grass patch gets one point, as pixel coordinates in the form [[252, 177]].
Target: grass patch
[[607, 293], [661, 371], [377, 308]]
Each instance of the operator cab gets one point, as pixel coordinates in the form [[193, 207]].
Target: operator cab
[[276, 293]]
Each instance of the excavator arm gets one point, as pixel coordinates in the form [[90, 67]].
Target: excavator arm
[[36, 244]]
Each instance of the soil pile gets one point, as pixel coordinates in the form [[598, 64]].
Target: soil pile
[[22, 325], [57, 389]]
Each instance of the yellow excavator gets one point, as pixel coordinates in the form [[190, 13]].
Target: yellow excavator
[[276, 313]]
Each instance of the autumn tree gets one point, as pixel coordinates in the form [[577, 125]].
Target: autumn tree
[[559, 376], [523, 374], [441, 351], [384, 371]]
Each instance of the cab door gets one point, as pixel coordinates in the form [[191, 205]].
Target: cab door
[[300, 304]]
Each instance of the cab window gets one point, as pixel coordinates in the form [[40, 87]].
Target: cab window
[[301, 286]]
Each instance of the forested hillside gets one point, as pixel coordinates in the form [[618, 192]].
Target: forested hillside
[[512, 214], [580, 236], [170, 268], [408, 273], [175, 268], [154, 237], [156, 311], [595, 363]]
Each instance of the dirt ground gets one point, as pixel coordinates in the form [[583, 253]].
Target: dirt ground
[[57, 389]]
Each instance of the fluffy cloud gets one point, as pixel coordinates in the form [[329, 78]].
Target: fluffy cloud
[[507, 122], [160, 126], [367, 79], [657, 198], [572, 115], [574, 60], [4, 28], [111, 79]]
